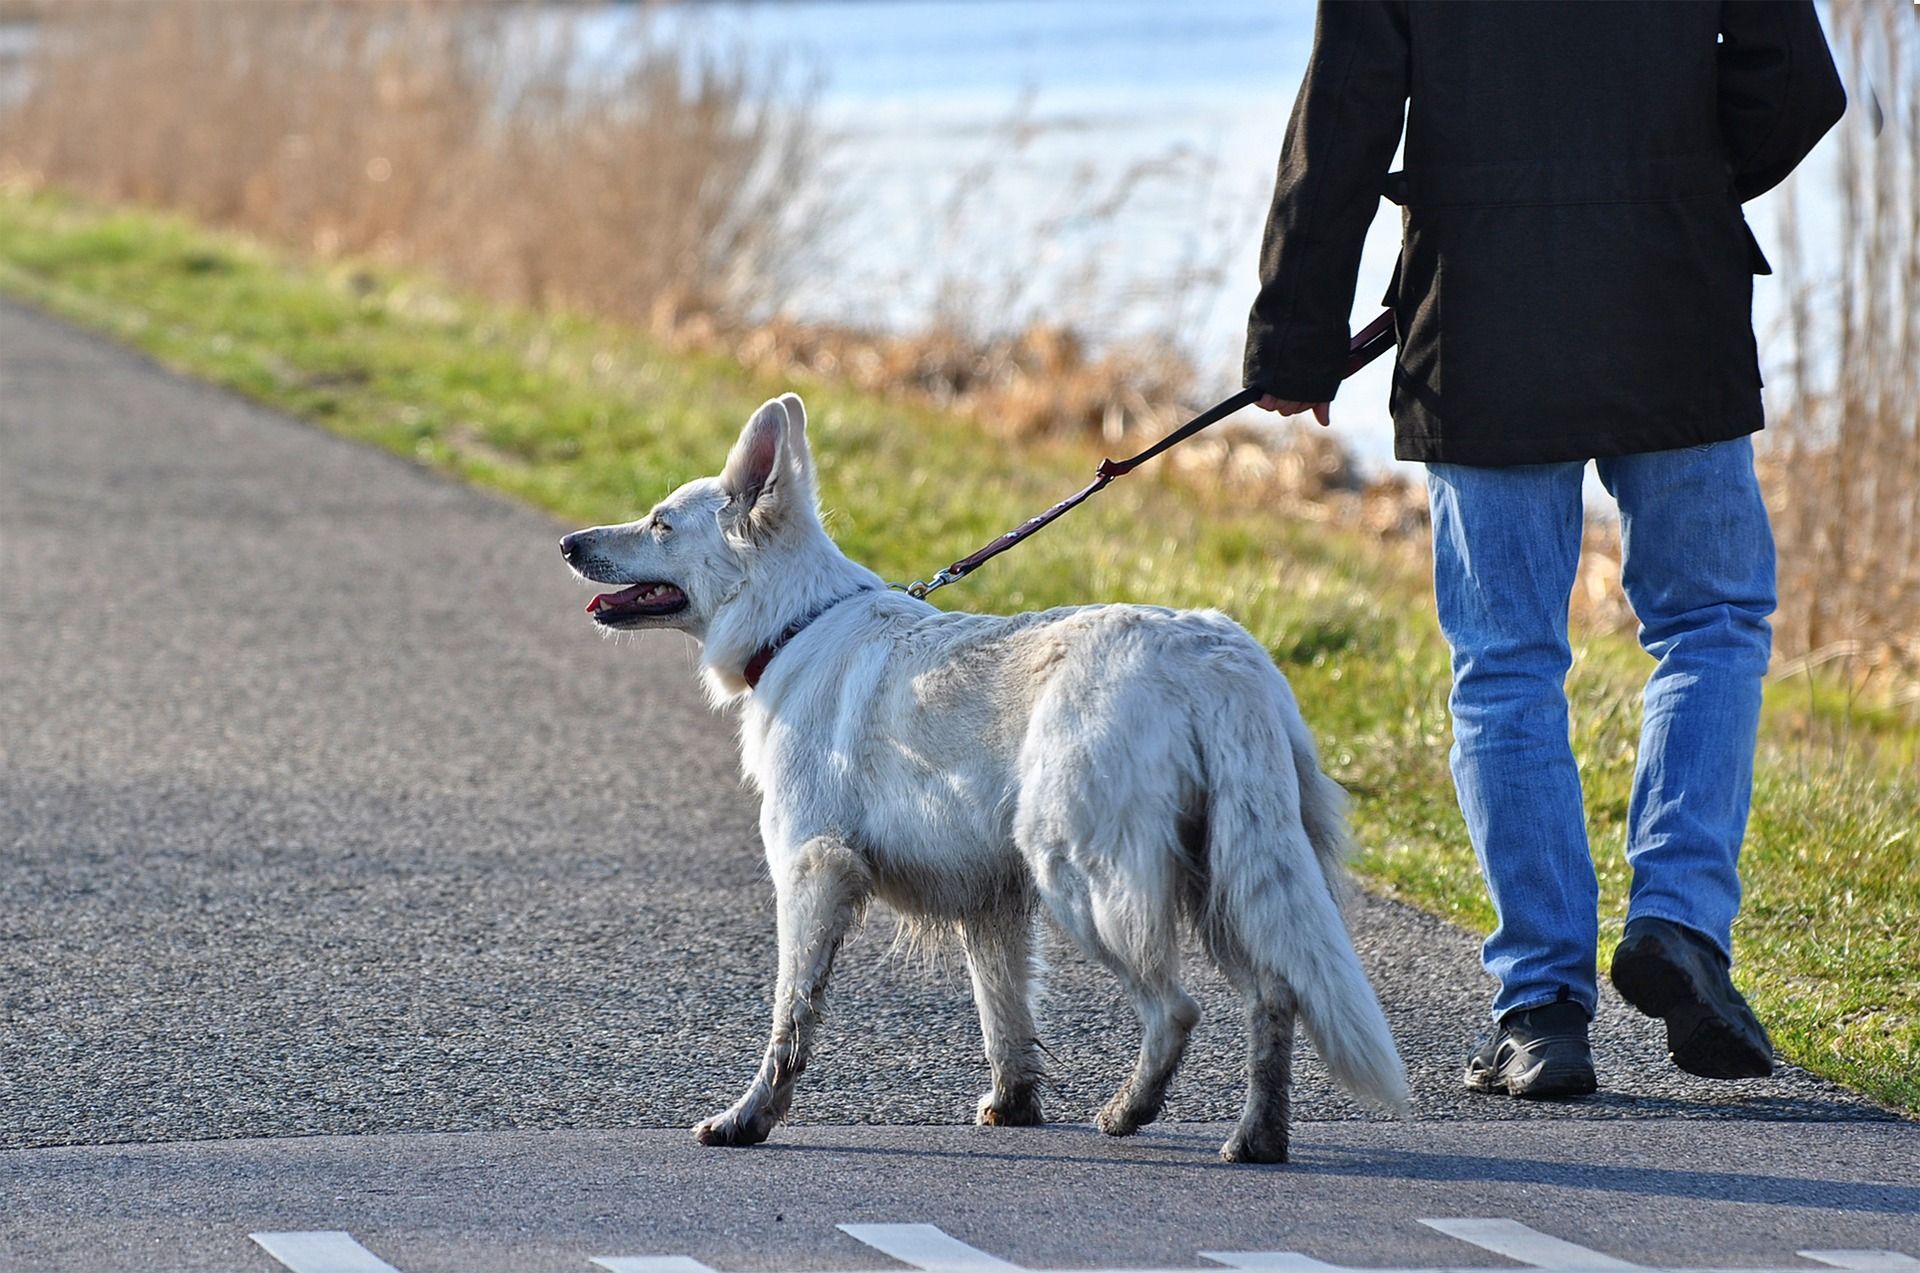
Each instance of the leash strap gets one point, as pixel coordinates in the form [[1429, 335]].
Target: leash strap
[[1369, 343]]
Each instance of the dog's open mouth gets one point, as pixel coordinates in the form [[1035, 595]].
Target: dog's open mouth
[[633, 605]]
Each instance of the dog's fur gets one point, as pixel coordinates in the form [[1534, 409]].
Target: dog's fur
[[1128, 767]]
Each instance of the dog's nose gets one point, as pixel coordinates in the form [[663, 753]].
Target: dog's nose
[[569, 545]]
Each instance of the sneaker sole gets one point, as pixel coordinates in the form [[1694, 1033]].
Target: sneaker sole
[[1701, 1040], [1538, 1084]]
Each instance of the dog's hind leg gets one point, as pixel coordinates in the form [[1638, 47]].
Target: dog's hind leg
[[1000, 958], [1122, 930], [1261, 1136], [819, 891], [1262, 1133], [1167, 1017]]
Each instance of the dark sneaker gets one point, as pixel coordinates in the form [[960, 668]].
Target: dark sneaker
[[1536, 1053], [1678, 975]]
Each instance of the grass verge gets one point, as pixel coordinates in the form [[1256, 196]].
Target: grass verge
[[592, 421]]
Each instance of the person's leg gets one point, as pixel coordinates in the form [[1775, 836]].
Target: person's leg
[[1506, 544], [1697, 566]]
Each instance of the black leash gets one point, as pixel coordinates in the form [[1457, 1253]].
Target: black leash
[[1372, 340]]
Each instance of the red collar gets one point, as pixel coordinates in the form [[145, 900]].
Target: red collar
[[757, 665]]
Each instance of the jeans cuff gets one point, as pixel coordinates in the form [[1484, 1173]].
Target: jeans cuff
[[1660, 912], [1587, 1003]]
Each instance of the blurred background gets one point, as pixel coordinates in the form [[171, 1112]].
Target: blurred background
[[1045, 215]]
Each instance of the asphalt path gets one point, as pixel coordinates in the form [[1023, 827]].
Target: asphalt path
[[324, 812]]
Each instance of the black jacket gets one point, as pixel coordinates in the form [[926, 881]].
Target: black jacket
[[1576, 275]]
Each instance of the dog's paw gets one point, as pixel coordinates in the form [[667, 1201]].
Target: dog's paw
[[1241, 1147], [731, 1130], [1021, 1110], [1119, 1117]]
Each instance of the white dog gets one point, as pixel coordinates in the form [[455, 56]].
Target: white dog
[[1128, 767]]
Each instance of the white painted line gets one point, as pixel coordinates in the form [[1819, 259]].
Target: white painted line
[[1269, 1261], [1529, 1246], [321, 1251], [1589, 1266], [927, 1247], [932, 1250]]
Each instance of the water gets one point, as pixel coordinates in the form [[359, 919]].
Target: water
[[1106, 163]]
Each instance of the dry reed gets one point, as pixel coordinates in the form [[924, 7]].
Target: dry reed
[[1843, 467], [465, 140], [683, 193]]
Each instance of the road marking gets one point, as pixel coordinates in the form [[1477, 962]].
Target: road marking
[[933, 1250], [1529, 1246], [321, 1251], [1269, 1261], [926, 1247]]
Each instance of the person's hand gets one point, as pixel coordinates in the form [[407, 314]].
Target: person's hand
[[1270, 403]]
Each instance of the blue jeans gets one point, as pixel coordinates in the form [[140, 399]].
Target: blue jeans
[[1698, 569]]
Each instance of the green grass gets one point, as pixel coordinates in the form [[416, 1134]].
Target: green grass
[[594, 421]]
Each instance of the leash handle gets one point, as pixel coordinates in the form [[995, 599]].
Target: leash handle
[[1367, 344]]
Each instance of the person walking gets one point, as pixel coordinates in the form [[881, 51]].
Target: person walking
[[1575, 284]]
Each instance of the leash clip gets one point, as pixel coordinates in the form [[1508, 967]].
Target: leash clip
[[919, 588]]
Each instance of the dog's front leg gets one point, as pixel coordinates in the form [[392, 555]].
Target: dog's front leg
[[819, 889]]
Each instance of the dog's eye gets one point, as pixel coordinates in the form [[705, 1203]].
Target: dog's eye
[[661, 529]]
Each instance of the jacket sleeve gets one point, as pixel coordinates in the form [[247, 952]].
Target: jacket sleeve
[[1779, 92], [1340, 141]]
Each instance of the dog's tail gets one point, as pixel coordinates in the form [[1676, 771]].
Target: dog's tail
[[1279, 894]]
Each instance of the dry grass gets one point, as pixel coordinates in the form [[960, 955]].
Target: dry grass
[[1844, 470], [681, 194], [461, 139]]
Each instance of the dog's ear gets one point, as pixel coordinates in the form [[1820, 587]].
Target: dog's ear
[[759, 465], [798, 451]]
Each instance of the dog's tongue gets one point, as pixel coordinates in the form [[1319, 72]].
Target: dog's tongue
[[617, 598]]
